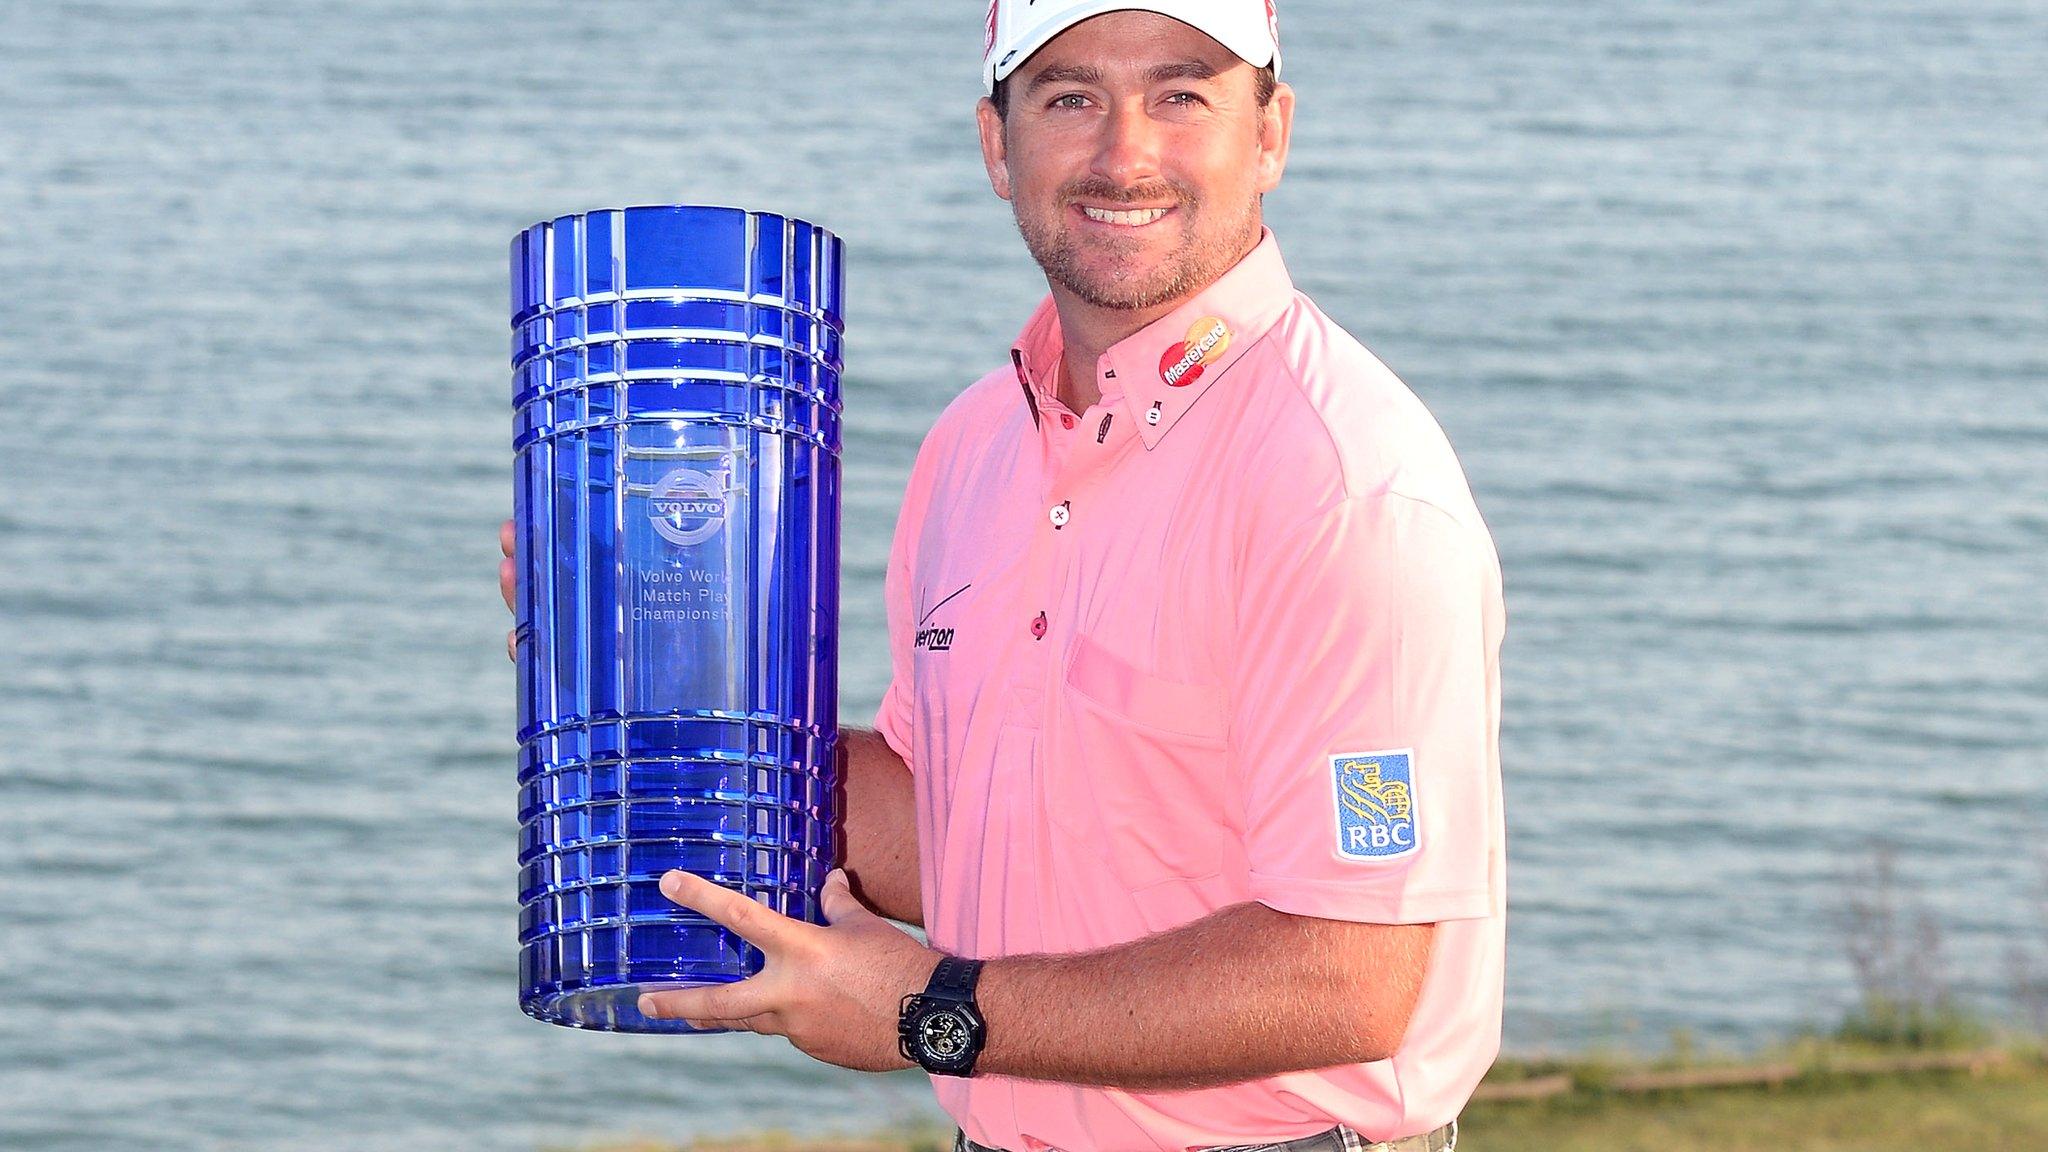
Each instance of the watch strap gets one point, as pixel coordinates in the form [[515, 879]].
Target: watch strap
[[953, 980]]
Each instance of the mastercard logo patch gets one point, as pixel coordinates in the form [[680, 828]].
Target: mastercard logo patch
[[1181, 364]]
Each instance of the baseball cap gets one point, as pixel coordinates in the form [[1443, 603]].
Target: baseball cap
[[1017, 28]]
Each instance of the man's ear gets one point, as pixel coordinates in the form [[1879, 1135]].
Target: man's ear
[[995, 155], [1276, 130]]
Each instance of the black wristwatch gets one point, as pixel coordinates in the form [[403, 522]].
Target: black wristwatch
[[941, 1030]]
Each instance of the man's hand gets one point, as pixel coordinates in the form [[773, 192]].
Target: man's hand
[[833, 991], [508, 583]]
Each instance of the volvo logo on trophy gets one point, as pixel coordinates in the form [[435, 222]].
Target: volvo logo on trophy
[[675, 379], [689, 505]]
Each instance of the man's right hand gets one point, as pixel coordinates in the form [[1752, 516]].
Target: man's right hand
[[508, 583]]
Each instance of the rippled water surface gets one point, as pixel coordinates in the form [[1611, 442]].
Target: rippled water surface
[[1734, 312]]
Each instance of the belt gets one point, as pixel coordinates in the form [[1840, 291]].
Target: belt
[[1338, 1139]]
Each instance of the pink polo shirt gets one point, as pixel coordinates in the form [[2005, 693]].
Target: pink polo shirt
[[1230, 634]]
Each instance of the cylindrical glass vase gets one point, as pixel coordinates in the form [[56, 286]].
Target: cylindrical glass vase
[[676, 506]]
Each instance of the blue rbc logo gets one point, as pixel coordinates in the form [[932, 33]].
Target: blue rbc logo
[[1375, 804]]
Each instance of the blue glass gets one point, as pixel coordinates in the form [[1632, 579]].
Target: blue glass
[[676, 504]]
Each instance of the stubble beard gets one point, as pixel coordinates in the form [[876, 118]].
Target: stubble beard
[[1196, 263]]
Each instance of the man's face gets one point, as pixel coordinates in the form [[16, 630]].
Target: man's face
[[1133, 155]]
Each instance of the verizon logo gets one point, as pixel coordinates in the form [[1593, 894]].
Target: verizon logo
[[936, 639]]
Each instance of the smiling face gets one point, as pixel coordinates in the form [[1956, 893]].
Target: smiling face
[[1133, 153]]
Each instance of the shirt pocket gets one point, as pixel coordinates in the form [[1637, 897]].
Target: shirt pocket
[[1139, 778]]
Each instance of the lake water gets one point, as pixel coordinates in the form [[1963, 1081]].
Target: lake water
[[1737, 315]]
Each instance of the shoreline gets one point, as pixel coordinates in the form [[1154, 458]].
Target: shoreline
[[1827, 1095]]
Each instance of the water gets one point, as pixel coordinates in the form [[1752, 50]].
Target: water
[[1734, 312]]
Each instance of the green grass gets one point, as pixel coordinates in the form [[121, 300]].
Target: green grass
[[2004, 1108], [905, 1140]]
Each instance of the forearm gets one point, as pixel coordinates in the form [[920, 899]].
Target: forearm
[[1242, 993], [879, 813]]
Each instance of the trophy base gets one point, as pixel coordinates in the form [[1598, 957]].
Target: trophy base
[[614, 1008]]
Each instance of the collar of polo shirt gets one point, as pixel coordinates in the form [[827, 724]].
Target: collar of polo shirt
[[1175, 360]]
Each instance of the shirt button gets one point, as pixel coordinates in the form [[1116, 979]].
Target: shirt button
[[1038, 627], [1066, 420], [1059, 514]]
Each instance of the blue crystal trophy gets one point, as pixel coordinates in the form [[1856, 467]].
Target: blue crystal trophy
[[676, 511]]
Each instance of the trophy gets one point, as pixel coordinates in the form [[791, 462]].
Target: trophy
[[675, 379]]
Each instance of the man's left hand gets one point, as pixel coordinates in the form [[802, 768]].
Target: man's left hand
[[833, 991]]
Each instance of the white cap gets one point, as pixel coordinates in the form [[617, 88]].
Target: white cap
[[1017, 28]]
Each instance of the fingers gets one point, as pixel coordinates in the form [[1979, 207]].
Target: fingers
[[836, 899], [756, 923], [766, 1024], [508, 586], [718, 1005]]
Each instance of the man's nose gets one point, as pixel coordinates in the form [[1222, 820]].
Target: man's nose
[[1130, 146]]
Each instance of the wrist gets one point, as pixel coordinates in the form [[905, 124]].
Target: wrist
[[941, 1028]]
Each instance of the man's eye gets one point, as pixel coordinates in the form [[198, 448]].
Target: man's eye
[[1184, 98], [1070, 100]]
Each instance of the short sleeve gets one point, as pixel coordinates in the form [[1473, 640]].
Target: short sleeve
[[1364, 714], [896, 715]]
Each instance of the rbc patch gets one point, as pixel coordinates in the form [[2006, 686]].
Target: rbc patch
[[1375, 804]]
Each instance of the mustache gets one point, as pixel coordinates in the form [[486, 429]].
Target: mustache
[[1103, 191]]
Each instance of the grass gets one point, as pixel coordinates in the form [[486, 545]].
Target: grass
[[2005, 1107], [1821, 1108], [903, 1140]]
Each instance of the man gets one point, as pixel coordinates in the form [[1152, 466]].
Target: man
[[1189, 764]]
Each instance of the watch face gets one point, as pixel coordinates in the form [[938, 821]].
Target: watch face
[[944, 1035]]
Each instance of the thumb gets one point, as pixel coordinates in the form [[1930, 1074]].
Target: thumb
[[836, 898]]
